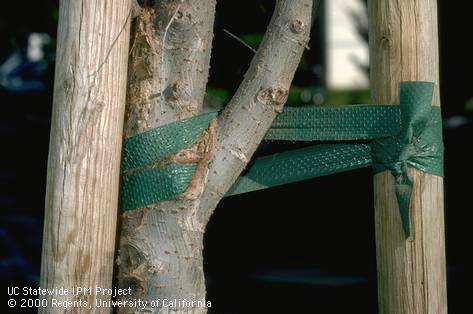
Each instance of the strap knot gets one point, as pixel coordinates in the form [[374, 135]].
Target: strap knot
[[418, 144]]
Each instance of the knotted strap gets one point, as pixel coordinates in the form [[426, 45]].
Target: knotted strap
[[418, 144]]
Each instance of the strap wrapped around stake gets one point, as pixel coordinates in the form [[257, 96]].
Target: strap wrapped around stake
[[418, 144], [400, 136]]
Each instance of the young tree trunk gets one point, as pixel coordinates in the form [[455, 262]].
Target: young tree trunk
[[160, 255], [85, 149], [411, 274]]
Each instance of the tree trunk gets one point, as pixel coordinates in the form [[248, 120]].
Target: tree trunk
[[411, 274], [160, 254], [85, 150]]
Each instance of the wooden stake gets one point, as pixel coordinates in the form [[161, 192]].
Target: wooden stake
[[411, 274], [84, 152]]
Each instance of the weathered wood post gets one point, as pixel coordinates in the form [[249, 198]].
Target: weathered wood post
[[85, 149], [411, 274]]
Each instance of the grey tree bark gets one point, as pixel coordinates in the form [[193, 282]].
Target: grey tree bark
[[160, 254]]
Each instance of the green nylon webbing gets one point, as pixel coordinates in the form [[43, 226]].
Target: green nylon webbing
[[292, 124], [154, 185], [302, 164], [335, 123], [405, 135], [146, 185], [164, 141], [418, 144]]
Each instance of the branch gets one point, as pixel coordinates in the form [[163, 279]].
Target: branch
[[239, 40], [260, 97]]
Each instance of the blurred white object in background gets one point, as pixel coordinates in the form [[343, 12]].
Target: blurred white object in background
[[346, 49]]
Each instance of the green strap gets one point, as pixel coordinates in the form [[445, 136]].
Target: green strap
[[401, 136], [418, 144], [153, 185], [412, 137], [142, 183], [302, 164], [164, 141], [335, 123]]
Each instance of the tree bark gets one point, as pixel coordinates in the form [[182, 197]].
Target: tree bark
[[169, 63], [160, 253], [85, 149], [411, 274]]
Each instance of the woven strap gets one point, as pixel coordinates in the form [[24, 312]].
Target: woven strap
[[302, 164], [143, 183], [335, 123], [394, 137], [418, 144]]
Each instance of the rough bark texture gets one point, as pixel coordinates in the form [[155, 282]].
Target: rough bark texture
[[411, 274], [85, 149], [160, 253], [169, 62]]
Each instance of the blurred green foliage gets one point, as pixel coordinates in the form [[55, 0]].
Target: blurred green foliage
[[252, 40], [217, 97], [347, 97], [312, 95], [469, 105]]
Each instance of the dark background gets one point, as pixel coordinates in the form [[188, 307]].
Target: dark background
[[281, 248]]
